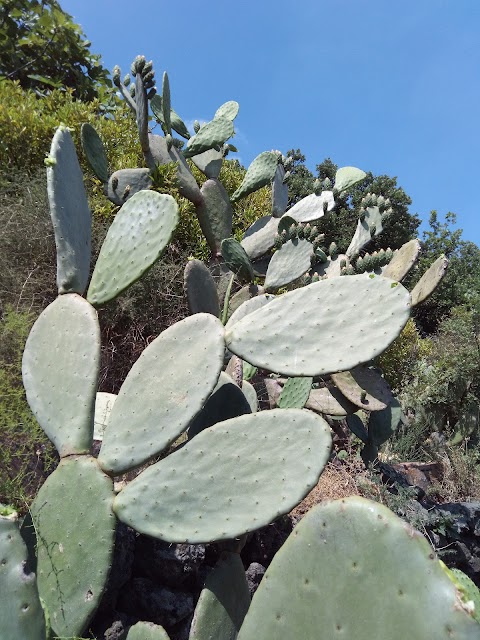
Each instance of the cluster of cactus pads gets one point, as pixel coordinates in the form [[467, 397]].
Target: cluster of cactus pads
[[237, 468]]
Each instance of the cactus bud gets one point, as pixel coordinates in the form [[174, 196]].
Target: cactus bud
[[177, 143], [360, 265], [277, 243], [151, 92], [314, 231], [380, 201], [196, 126], [286, 177], [343, 263], [137, 65], [169, 141], [321, 255], [388, 254], [361, 214], [292, 231], [317, 187], [363, 396], [315, 277], [332, 250], [284, 236], [327, 184], [148, 78], [307, 230], [300, 231], [132, 90], [116, 75], [126, 79], [148, 67]]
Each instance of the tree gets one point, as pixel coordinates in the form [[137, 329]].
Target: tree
[[300, 183], [42, 48]]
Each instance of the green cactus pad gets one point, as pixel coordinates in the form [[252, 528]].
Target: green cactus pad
[[223, 602], [330, 402], [125, 183], [260, 173], [237, 259], [20, 610], [209, 162], [346, 177], [60, 368], [285, 224], [71, 217], [248, 370], [166, 104], [250, 394], [249, 306], [382, 424], [368, 228], [352, 569], [227, 401], [159, 153], [260, 236], [103, 408], [247, 292], [263, 464], [158, 398], [322, 327], [200, 288], [312, 207], [429, 281], [364, 381], [288, 264], [215, 214], [176, 122], [75, 528], [295, 393], [135, 240], [403, 261], [228, 110], [279, 193], [147, 631], [211, 135], [470, 592], [94, 151]]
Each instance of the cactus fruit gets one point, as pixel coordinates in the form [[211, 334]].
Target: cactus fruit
[[200, 289], [280, 452], [223, 602], [331, 563], [20, 610], [61, 382], [158, 399], [326, 339], [71, 217], [136, 239]]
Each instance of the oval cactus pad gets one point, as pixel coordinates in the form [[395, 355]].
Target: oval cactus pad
[[60, 370], [353, 569], [235, 477], [324, 327], [75, 527], [70, 213], [136, 239], [165, 389]]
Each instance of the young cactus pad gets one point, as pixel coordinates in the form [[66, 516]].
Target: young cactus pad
[[158, 398], [60, 370], [295, 393], [21, 613], [346, 177], [232, 478], [211, 135], [135, 241], [223, 602], [260, 173], [323, 327], [75, 528], [352, 569], [200, 289], [71, 217], [147, 631], [94, 151]]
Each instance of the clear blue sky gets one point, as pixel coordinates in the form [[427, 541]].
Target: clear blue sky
[[391, 87]]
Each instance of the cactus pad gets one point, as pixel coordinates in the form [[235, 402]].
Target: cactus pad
[[249, 306], [176, 122], [20, 610], [158, 398], [330, 402], [60, 370], [288, 263], [200, 289], [135, 241], [94, 151], [71, 217], [295, 393], [312, 207], [429, 281], [260, 236], [316, 586], [263, 465], [382, 424], [227, 110], [211, 135], [223, 602], [215, 214], [103, 407], [260, 173], [403, 261], [74, 542], [237, 259], [147, 631], [365, 387], [279, 193], [209, 162], [346, 177], [367, 228], [125, 183], [322, 327], [250, 393]]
